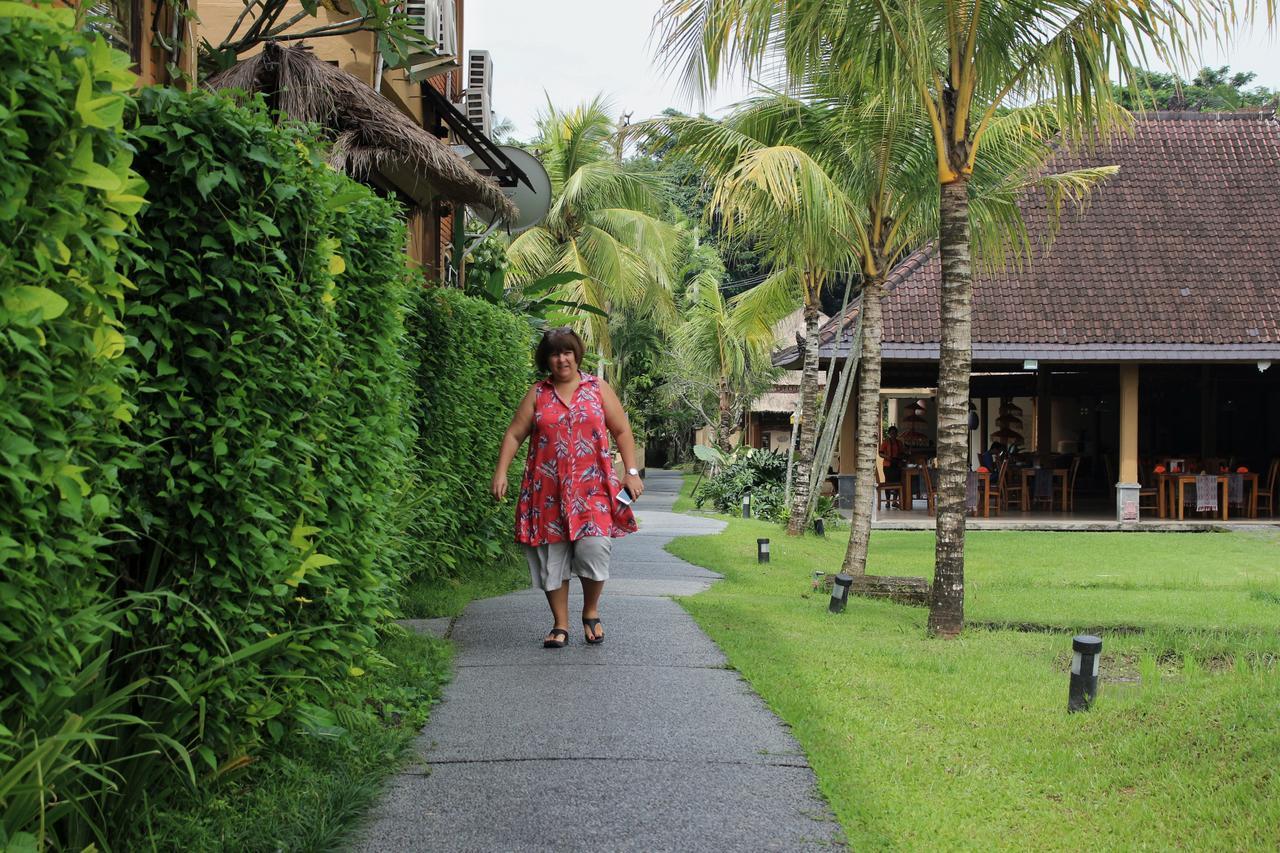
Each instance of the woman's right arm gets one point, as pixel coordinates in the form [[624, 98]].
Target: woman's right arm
[[521, 426]]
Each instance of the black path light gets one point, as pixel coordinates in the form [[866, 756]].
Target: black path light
[[840, 593], [746, 506], [819, 527], [1086, 653], [762, 550]]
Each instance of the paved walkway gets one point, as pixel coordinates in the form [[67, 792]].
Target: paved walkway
[[646, 742]]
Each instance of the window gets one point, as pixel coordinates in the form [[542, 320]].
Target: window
[[120, 23]]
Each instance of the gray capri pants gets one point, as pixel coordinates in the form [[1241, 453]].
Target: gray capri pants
[[551, 565]]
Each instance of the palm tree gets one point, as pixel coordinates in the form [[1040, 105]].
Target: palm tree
[[727, 343], [766, 187], [881, 159], [606, 223], [963, 62]]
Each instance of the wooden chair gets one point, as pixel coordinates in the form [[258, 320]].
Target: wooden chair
[[1147, 497], [1267, 494], [1071, 483], [885, 491], [1047, 500], [995, 495], [930, 487], [1012, 491]]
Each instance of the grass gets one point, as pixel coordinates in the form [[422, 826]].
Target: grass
[[684, 502], [426, 598], [306, 793], [931, 744]]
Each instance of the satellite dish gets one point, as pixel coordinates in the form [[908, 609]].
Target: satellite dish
[[532, 202]]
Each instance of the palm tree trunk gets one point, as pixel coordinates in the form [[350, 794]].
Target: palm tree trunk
[[725, 426], [946, 601], [808, 420], [868, 435]]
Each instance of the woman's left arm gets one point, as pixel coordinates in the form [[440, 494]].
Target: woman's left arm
[[615, 418]]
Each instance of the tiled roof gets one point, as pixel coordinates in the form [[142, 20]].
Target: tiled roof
[[1177, 256]]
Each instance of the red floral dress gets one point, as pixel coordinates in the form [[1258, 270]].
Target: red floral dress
[[569, 487]]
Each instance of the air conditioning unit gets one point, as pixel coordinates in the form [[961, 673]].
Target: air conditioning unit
[[437, 21], [479, 94]]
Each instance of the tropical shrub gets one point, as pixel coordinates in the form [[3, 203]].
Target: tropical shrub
[[474, 369], [270, 430], [747, 471], [68, 196]]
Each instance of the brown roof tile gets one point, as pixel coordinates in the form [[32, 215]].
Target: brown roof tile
[[1179, 251]]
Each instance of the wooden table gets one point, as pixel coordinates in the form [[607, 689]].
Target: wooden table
[[1028, 475], [909, 473], [984, 492], [1177, 486]]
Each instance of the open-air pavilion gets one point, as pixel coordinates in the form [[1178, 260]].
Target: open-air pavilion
[[1137, 349]]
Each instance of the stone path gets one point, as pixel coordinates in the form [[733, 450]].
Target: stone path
[[646, 742]]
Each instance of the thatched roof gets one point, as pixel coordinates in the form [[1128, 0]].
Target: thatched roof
[[369, 134]]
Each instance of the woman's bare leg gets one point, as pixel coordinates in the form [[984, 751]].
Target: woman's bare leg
[[591, 604], [559, 601]]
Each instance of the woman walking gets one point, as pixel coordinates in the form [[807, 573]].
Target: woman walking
[[569, 510]]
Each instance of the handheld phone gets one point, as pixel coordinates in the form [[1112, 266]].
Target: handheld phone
[[624, 497]]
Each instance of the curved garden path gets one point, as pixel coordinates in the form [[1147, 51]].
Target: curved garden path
[[647, 742]]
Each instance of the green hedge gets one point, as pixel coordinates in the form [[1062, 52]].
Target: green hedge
[[475, 368], [269, 415], [221, 449], [68, 196]]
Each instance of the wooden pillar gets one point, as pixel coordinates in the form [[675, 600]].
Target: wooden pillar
[[1208, 414], [1044, 416], [984, 424], [849, 437], [1128, 423]]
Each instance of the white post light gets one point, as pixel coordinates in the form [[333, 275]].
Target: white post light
[[840, 593], [1086, 652]]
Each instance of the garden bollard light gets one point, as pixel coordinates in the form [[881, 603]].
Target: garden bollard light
[[819, 527], [1086, 652], [762, 550], [840, 593], [746, 506]]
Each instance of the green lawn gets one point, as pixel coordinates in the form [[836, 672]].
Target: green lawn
[[929, 744]]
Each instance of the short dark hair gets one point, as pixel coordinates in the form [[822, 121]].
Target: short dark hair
[[893, 429], [558, 340]]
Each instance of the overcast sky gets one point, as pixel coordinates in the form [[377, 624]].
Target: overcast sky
[[571, 49]]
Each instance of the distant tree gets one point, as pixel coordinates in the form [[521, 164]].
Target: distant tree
[[1213, 89], [609, 222]]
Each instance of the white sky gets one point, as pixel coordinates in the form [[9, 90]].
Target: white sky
[[572, 49]]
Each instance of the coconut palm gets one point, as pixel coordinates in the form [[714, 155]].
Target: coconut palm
[[881, 160], [723, 342], [606, 223], [766, 187], [963, 62]]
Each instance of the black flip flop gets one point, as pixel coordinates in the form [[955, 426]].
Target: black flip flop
[[591, 636], [557, 644]]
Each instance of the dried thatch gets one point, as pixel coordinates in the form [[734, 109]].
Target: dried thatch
[[368, 132]]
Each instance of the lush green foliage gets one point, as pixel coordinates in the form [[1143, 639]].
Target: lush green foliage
[[926, 744], [749, 471], [474, 370], [306, 794], [68, 196], [762, 474], [268, 417], [1213, 89]]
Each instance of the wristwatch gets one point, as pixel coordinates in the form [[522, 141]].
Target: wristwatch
[[634, 472]]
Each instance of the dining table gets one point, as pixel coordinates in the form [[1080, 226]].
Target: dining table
[[1175, 486], [1028, 475], [911, 472]]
